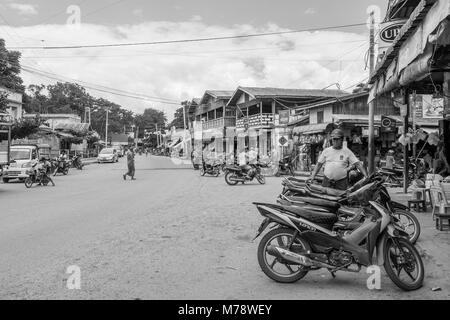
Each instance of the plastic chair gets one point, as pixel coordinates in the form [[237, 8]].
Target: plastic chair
[[441, 197]]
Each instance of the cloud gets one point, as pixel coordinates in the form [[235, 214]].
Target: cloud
[[24, 9], [138, 12], [310, 11], [196, 18], [180, 71]]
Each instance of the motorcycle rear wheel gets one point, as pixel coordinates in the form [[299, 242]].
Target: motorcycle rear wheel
[[66, 171], [267, 266], [403, 257], [412, 225], [28, 182], [228, 175]]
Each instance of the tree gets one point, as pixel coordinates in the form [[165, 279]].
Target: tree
[[178, 118], [149, 119], [25, 127], [10, 69], [68, 98], [35, 101], [3, 101]]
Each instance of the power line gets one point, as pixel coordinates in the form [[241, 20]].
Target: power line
[[97, 85], [190, 40], [137, 97]]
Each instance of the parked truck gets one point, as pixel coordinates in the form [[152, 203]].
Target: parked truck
[[5, 140], [23, 157]]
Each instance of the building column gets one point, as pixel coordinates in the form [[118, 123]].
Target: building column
[[446, 92], [371, 149]]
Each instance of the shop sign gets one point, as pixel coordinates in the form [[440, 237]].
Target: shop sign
[[365, 132], [283, 141], [284, 116], [388, 32], [387, 124]]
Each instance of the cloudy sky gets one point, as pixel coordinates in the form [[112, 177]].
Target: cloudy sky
[[180, 71]]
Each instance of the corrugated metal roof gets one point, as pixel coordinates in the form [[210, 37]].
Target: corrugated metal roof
[[267, 92], [295, 93], [77, 127]]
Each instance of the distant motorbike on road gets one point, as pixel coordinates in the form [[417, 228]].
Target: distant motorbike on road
[[62, 166], [286, 166], [38, 176], [77, 162], [211, 169], [235, 174]]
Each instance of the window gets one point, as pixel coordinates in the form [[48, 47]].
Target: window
[[320, 116]]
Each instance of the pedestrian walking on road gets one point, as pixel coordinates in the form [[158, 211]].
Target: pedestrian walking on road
[[130, 162]]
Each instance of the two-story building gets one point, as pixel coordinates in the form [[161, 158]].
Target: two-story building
[[349, 113], [14, 103], [214, 121], [262, 117]]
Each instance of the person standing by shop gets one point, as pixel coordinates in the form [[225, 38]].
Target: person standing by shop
[[130, 163], [390, 160], [337, 162]]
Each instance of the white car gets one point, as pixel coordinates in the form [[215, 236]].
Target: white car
[[108, 155]]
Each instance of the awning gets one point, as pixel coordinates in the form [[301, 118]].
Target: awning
[[313, 128], [65, 135]]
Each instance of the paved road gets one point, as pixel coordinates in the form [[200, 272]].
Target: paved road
[[170, 234]]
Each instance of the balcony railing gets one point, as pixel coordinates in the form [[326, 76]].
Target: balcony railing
[[219, 123], [258, 120]]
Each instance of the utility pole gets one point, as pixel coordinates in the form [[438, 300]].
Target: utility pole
[[413, 116], [106, 131], [184, 116], [157, 135], [371, 150], [137, 136], [405, 148]]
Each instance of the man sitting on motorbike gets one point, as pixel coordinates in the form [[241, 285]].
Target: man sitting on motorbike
[[41, 168], [337, 162]]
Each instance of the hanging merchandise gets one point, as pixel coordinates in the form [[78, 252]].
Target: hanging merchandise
[[433, 139], [421, 134], [402, 140]]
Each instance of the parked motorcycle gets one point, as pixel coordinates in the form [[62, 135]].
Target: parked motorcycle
[[62, 166], [301, 241], [235, 174], [211, 169], [39, 176], [77, 162], [286, 166], [319, 198]]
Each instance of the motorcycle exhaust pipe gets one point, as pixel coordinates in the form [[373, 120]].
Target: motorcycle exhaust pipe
[[237, 179], [295, 257]]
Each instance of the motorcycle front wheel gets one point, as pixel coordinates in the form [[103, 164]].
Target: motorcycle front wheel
[[66, 171], [261, 179], [228, 175], [403, 264], [409, 222], [28, 182], [202, 172], [273, 267]]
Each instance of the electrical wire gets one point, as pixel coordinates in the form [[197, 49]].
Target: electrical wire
[[189, 40], [42, 74]]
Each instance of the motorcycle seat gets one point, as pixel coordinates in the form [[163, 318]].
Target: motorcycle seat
[[326, 191], [314, 201], [296, 190], [311, 215], [311, 194]]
